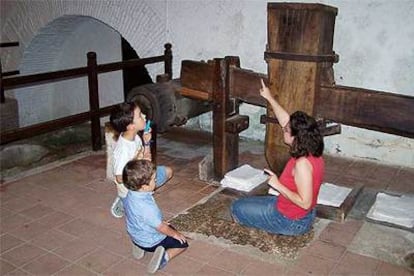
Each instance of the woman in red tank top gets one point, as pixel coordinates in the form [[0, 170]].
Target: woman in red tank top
[[293, 211]]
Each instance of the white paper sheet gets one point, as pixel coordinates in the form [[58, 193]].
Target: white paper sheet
[[244, 178], [332, 195], [397, 210]]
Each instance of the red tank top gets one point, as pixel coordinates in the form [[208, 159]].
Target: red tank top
[[287, 207]]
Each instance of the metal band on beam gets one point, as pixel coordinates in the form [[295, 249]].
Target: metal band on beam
[[334, 58]]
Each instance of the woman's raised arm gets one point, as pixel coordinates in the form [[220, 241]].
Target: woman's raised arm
[[281, 114]]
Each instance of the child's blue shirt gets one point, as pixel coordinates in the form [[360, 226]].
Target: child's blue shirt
[[142, 218]]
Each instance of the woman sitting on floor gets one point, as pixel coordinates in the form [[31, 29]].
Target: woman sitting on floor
[[293, 211]]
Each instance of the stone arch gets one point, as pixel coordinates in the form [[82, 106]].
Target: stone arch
[[136, 21], [31, 22]]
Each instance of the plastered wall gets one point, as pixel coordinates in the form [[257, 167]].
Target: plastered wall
[[374, 39]]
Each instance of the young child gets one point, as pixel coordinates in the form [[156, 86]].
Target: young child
[[144, 221], [128, 120]]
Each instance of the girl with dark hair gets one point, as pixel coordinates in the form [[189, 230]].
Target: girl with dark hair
[[293, 211]]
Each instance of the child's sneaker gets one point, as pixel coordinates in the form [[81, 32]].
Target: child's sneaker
[[156, 261], [137, 252], [117, 208]]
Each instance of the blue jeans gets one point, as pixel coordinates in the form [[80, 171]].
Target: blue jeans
[[260, 212]]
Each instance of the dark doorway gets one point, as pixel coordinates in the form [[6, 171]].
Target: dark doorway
[[132, 76]]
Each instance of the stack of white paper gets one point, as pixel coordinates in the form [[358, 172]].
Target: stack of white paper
[[244, 178], [393, 209], [332, 195]]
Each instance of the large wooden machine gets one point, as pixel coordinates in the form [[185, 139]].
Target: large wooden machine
[[299, 55]]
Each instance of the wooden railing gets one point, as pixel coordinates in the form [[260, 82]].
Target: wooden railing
[[95, 112]]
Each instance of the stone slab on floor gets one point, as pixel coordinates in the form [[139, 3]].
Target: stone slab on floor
[[389, 244]]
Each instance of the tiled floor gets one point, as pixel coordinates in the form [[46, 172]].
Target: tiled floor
[[57, 221]]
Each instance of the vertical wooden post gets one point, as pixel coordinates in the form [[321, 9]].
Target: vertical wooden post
[[300, 40], [2, 97], [232, 139], [225, 145], [219, 118], [168, 60], [94, 102]]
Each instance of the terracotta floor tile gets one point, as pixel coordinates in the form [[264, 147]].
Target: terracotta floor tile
[[354, 264], [330, 176], [127, 267], [385, 269], [101, 185], [6, 267], [7, 242], [46, 265], [18, 204], [183, 265], [403, 181], [48, 179], [202, 251], [29, 231], [207, 190], [349, 181], [229, 261], [52, 239], [312, 265], [99, 260], [256, 267], [73, 270], [4, 212], [22, 254], [76, 249], [19, 272], [208, 270], [324, 250], [360, 169], [98, 215], [333, 163], [12, 222], [55, 219], [19, 188], [121, 246], [192, 185], [86, 229], [77, 227], [37, 211], [340, 233]]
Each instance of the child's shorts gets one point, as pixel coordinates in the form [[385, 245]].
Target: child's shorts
[[167, 243], [161, 176]]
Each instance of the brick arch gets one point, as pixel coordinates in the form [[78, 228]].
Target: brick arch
[[136, 21]]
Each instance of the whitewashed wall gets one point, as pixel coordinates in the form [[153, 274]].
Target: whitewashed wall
[[374, 39]]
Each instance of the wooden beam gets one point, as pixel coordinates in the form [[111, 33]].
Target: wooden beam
[[41, 128], [197, 75], [245, 85], [369, 109], [195, 94]]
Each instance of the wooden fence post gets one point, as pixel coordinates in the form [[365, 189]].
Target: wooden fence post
[[94, 101], [168, 60], [2, 97]]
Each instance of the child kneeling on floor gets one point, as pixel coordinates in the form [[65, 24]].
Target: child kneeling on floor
[[144, 219]]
